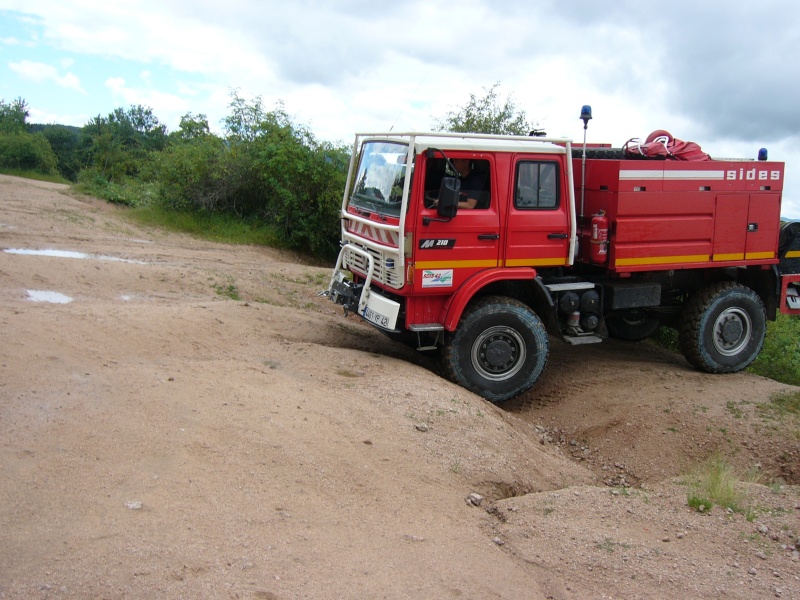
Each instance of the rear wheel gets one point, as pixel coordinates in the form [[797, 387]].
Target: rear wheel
[[723, 328], [499, 349]]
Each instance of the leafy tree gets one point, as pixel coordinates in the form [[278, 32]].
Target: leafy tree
[[191, 128], [300, 179], [21, 150], [138, 128], [104, 151], [267, 168], [246, 119], [119, 145], [303, 180], [65, 142], [487, 115], [191, 175], [13, 116]]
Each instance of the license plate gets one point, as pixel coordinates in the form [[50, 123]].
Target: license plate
[[381, 311], [374, 316]]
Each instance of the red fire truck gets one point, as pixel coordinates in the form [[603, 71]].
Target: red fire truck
[[483, 246]]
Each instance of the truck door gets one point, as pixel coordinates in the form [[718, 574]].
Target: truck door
[[746, 226], [763, 225], [447, 253], [730, 227], [538, 219]]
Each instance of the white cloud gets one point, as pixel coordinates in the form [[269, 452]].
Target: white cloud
[[713, 72], [150, 31], [115, 84], [167, 107], [47, 117], [41, 73]]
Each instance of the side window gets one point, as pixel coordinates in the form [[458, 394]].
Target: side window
[[536, 186], [475, 188], [473, 175]]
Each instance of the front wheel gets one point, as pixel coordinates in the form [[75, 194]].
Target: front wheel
[[499, 349], [723, 328]]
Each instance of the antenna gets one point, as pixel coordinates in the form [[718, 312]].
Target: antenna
[[413, 95], [586, 116]]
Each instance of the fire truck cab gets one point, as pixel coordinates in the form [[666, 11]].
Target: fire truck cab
[[485, 245]]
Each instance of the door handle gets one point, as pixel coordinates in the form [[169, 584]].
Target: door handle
[[557, 236], [488, 236]]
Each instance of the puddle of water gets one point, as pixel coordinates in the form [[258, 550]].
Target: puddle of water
[[46, 296], [70, 254]]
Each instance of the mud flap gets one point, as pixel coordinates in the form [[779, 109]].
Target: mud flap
[[790, 294]]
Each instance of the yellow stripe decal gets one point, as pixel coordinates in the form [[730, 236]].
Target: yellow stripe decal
[[456, 264], [620, 262], [739, 256], [759, 255], [536, 262], [660, 260], [793, 254]]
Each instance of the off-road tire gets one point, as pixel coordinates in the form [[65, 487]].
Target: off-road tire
[[722, 328], [631, 325], [499, 349]]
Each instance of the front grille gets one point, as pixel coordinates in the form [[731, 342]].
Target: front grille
[[389, 277]]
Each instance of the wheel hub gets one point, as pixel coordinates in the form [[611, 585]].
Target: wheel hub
[[732, 331], [498, 353]]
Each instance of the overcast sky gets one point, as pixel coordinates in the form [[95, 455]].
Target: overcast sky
[[723, 74]]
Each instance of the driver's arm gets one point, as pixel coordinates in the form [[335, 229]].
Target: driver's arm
[[465, 201]]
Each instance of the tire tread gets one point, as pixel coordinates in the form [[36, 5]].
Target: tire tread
[[689, 334], [499, 304]]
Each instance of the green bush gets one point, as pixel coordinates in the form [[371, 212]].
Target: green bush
[[119, 146], [190, 176], [65, 142], [302, 182], [267, 169], [267, 173], [129, 192], [780, 357], [27, 152]]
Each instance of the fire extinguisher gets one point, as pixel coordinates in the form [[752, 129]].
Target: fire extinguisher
[[598, 249]]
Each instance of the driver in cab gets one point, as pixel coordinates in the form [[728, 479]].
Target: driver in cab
[[472, 183]]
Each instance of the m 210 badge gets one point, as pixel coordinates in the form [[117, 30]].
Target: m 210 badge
[[437, 278], [441, 244]]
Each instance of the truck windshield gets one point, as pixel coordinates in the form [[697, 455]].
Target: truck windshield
[[380, 179]]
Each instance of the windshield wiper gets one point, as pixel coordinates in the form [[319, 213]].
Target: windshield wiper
[[359, 201]]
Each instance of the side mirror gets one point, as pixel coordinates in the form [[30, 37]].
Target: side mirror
[[448, 197]]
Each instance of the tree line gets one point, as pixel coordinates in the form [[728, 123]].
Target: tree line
[[264, 167]]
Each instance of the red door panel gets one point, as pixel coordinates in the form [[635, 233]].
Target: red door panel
[[537, 232]]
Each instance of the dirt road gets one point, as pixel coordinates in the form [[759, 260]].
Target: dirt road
[[183, 419]]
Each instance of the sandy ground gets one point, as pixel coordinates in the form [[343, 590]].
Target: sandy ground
[[160, 439]]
